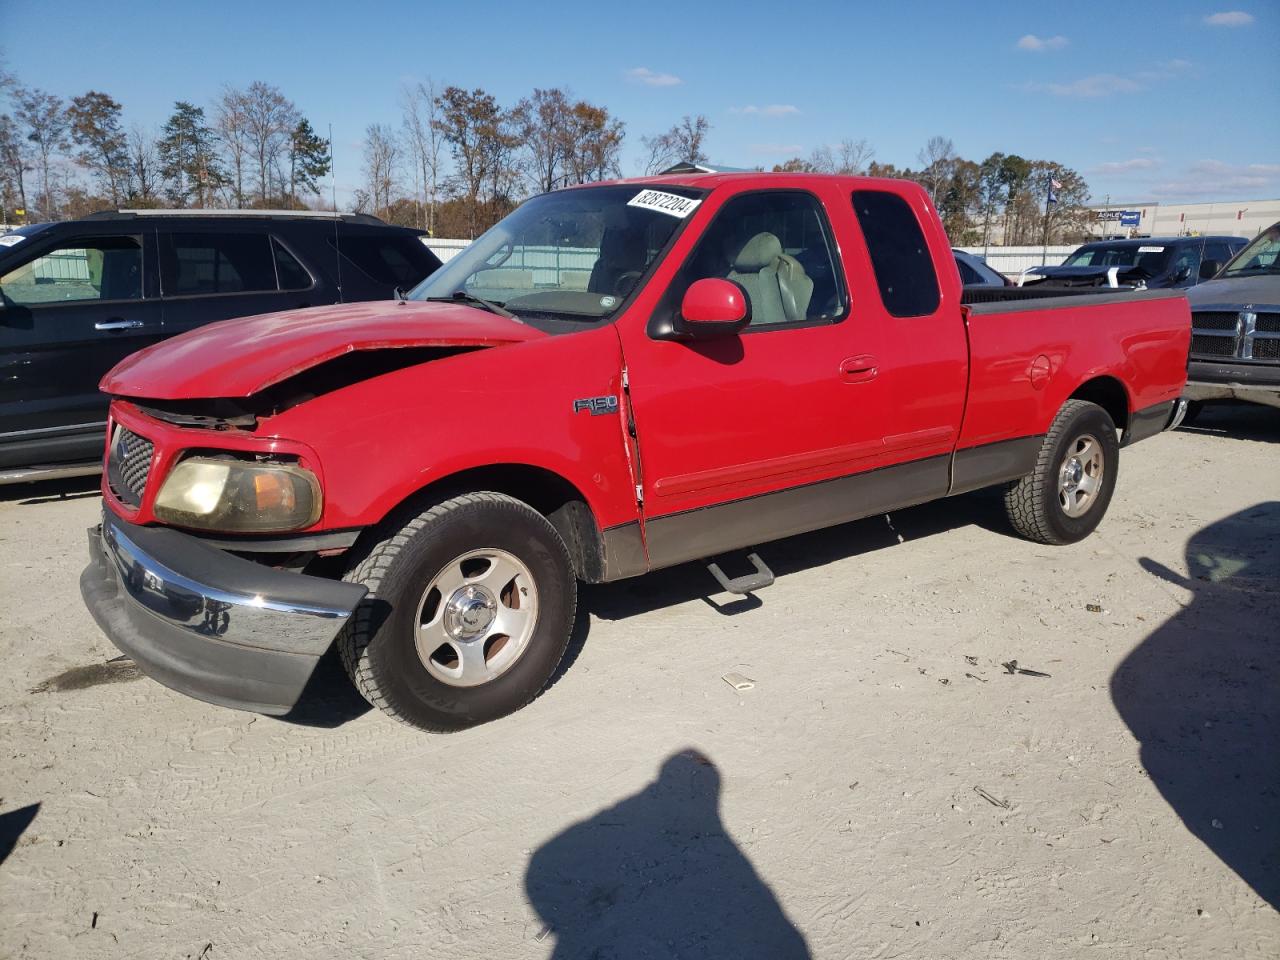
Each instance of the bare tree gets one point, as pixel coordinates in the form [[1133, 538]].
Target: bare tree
[[381, 153], [421, 113], [270, 119], [543, 122], [469, 121], [232, 124], [938, 160], [42, 119], [853, 156], [144, 168], [13, 167], [593, 143], [683, 142]]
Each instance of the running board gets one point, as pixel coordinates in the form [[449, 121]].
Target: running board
[[748, 582]]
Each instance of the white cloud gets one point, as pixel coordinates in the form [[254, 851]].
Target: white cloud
[[651, 78], [1213, 179], [769, 110], [1040, 44], [1229, 18], [777, 149], [1108, 84], [1127, 166], [1094, 85]]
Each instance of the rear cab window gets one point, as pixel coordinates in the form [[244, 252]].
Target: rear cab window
[[899, 253]]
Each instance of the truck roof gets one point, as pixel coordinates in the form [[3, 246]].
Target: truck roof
[[710, 181]]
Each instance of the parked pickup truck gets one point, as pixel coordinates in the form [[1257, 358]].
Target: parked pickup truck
[[616, 378]]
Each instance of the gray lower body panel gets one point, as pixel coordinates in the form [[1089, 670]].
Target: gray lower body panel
[[207, 624], [694, 534]]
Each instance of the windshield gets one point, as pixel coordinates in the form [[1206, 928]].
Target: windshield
[[1261, 256], [1148, 257], [573, 255]]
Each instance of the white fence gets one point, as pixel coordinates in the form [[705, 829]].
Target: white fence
[[1008, 260], [1011, 261]]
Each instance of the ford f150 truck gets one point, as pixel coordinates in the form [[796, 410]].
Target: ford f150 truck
[[616, 378]]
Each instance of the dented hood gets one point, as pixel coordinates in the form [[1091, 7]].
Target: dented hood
[[238, 358]]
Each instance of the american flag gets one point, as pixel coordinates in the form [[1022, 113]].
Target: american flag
[[1054, 187]]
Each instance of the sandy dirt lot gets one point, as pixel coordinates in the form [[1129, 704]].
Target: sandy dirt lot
[[886, 789]]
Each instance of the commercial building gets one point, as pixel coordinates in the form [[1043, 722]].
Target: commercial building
[[1239, 218]]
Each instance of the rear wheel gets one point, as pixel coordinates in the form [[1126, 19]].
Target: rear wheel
[[1065, 498], [470, 608]]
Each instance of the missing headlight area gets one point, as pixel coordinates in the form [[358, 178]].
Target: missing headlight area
[[243, 413]]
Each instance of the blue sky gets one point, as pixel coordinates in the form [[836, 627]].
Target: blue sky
[[1167, 101]]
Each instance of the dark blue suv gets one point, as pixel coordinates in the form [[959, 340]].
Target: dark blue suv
[[79, 296], [1148, 261]]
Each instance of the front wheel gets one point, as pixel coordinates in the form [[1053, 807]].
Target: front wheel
[[1064, 499], [470, 608]]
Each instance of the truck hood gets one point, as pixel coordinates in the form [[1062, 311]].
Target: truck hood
[[238, 358], [1259, 289]]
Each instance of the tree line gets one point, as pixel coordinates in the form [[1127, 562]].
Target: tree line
[[457, 162], [61, 159], [999, 200]]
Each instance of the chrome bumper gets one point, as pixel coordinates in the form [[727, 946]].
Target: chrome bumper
[[207, 623]]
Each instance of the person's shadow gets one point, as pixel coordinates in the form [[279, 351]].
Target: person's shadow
[[655, 875], [1200, 694]]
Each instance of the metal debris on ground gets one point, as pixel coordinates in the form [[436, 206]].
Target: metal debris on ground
[[1011, 666], [1093, 607], [738, 681], [972, 661], [542, 934], [974, 676], [1002, 804]]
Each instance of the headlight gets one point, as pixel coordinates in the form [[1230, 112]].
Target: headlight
[[239, 496]]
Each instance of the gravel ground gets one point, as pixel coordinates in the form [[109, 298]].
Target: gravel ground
[[886, 789]]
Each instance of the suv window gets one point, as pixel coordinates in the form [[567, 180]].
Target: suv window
[[290, 274], [84, 268], [205, 263], [399, 262], [776, 245], [968, 275], [899, 255]]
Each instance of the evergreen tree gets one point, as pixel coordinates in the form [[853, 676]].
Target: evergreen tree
[[189, 160]]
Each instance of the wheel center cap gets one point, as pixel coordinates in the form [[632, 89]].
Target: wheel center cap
[[470, 612], [1072, 473]]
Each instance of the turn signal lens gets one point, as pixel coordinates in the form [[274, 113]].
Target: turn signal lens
[[236, 496]]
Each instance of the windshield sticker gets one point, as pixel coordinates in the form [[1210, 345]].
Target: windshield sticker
[[1151, 249], [669, 203], [608, 302], [11, 239]]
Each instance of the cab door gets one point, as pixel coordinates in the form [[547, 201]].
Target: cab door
[[73, 308], [777, 429]]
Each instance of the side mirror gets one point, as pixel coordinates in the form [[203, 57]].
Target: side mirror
[[713, 308], [1209, 269]]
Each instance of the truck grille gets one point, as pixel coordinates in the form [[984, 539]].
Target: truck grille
[[1213, 346], [1215, 320], [128, 464], [1269, 323], [1266, 349]]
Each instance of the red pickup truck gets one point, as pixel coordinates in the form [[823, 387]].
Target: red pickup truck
[[617, 377]]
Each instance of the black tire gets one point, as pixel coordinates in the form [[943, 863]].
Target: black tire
[[1033, 503], [399, 561]]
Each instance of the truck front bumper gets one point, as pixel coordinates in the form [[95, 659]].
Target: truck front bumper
[[1215, 380], [207, 623]]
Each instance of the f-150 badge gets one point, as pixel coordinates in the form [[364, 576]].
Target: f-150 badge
[[597, 405]]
